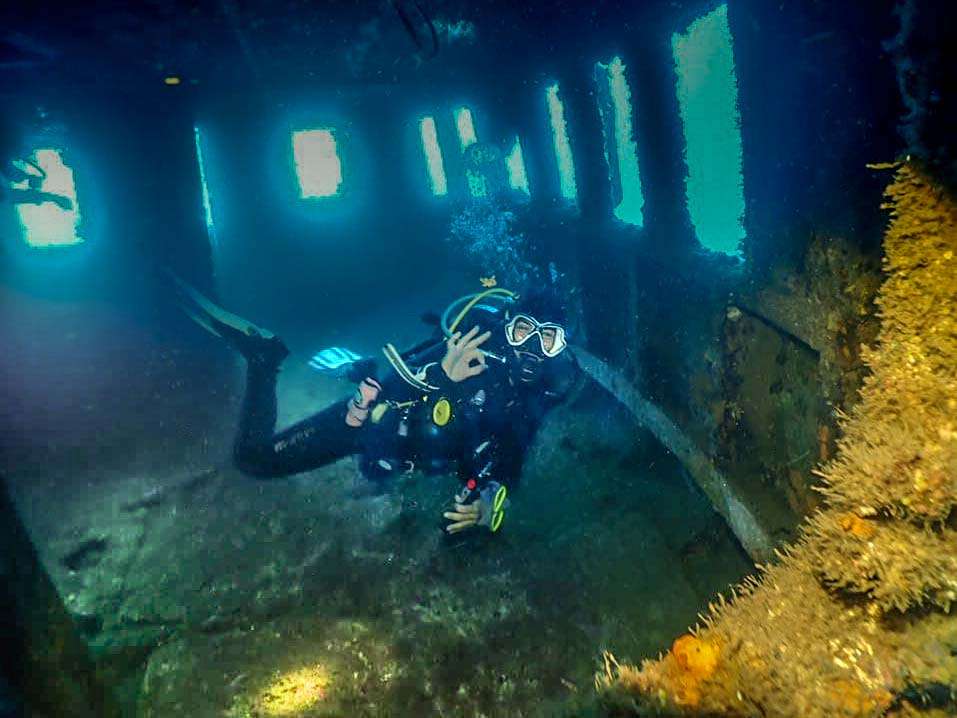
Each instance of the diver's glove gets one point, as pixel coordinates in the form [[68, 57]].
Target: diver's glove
[[478, 507], [360, 404]]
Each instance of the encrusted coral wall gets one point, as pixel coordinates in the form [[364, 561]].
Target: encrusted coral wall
[[854, 619], [790, 360]]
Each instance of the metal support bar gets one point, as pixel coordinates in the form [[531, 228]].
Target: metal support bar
[[739, 517]]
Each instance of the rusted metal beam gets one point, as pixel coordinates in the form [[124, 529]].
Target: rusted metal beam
[[739, 517]]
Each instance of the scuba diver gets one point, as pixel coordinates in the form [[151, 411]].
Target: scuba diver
[[474, 398], [14, 171]]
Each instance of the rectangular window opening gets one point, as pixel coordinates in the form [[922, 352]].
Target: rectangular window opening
[[621, 150], [563, 150], [708, 100], [465, 127], [515, 163], [48, 224], [433, 156], [317, 163]]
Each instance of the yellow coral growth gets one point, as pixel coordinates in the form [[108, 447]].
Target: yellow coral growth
[[814, 635], [903, 433], [899, 565], [856, 526], [694, 661], [696, 657]]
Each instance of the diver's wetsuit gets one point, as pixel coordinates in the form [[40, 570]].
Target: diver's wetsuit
[[493, 421]]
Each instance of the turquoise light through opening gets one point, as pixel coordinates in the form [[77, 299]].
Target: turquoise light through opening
[[207, 205], [623, 150], [46, 224], [467, 137], [433, 156], [465, 127], [563, 148], [317, 163], [515, 162], [708, 99], [478, 187]]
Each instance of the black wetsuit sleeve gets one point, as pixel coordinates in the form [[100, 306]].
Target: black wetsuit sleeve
[[507, 457], [434, 375], [498, 453]]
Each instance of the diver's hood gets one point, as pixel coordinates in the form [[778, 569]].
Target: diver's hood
[[544, 303]]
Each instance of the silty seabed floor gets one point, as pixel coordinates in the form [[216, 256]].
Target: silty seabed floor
[[212, 594]]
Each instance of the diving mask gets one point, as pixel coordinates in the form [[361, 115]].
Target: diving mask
[[551, 336]]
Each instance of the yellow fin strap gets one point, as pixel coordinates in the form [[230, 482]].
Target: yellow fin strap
[[499, 499], [498, 508]]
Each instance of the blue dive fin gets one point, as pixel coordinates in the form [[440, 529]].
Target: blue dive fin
[[334, 360]]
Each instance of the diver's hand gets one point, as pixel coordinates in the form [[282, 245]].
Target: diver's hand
[[464, 517], [463, 358], [487, 510]]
